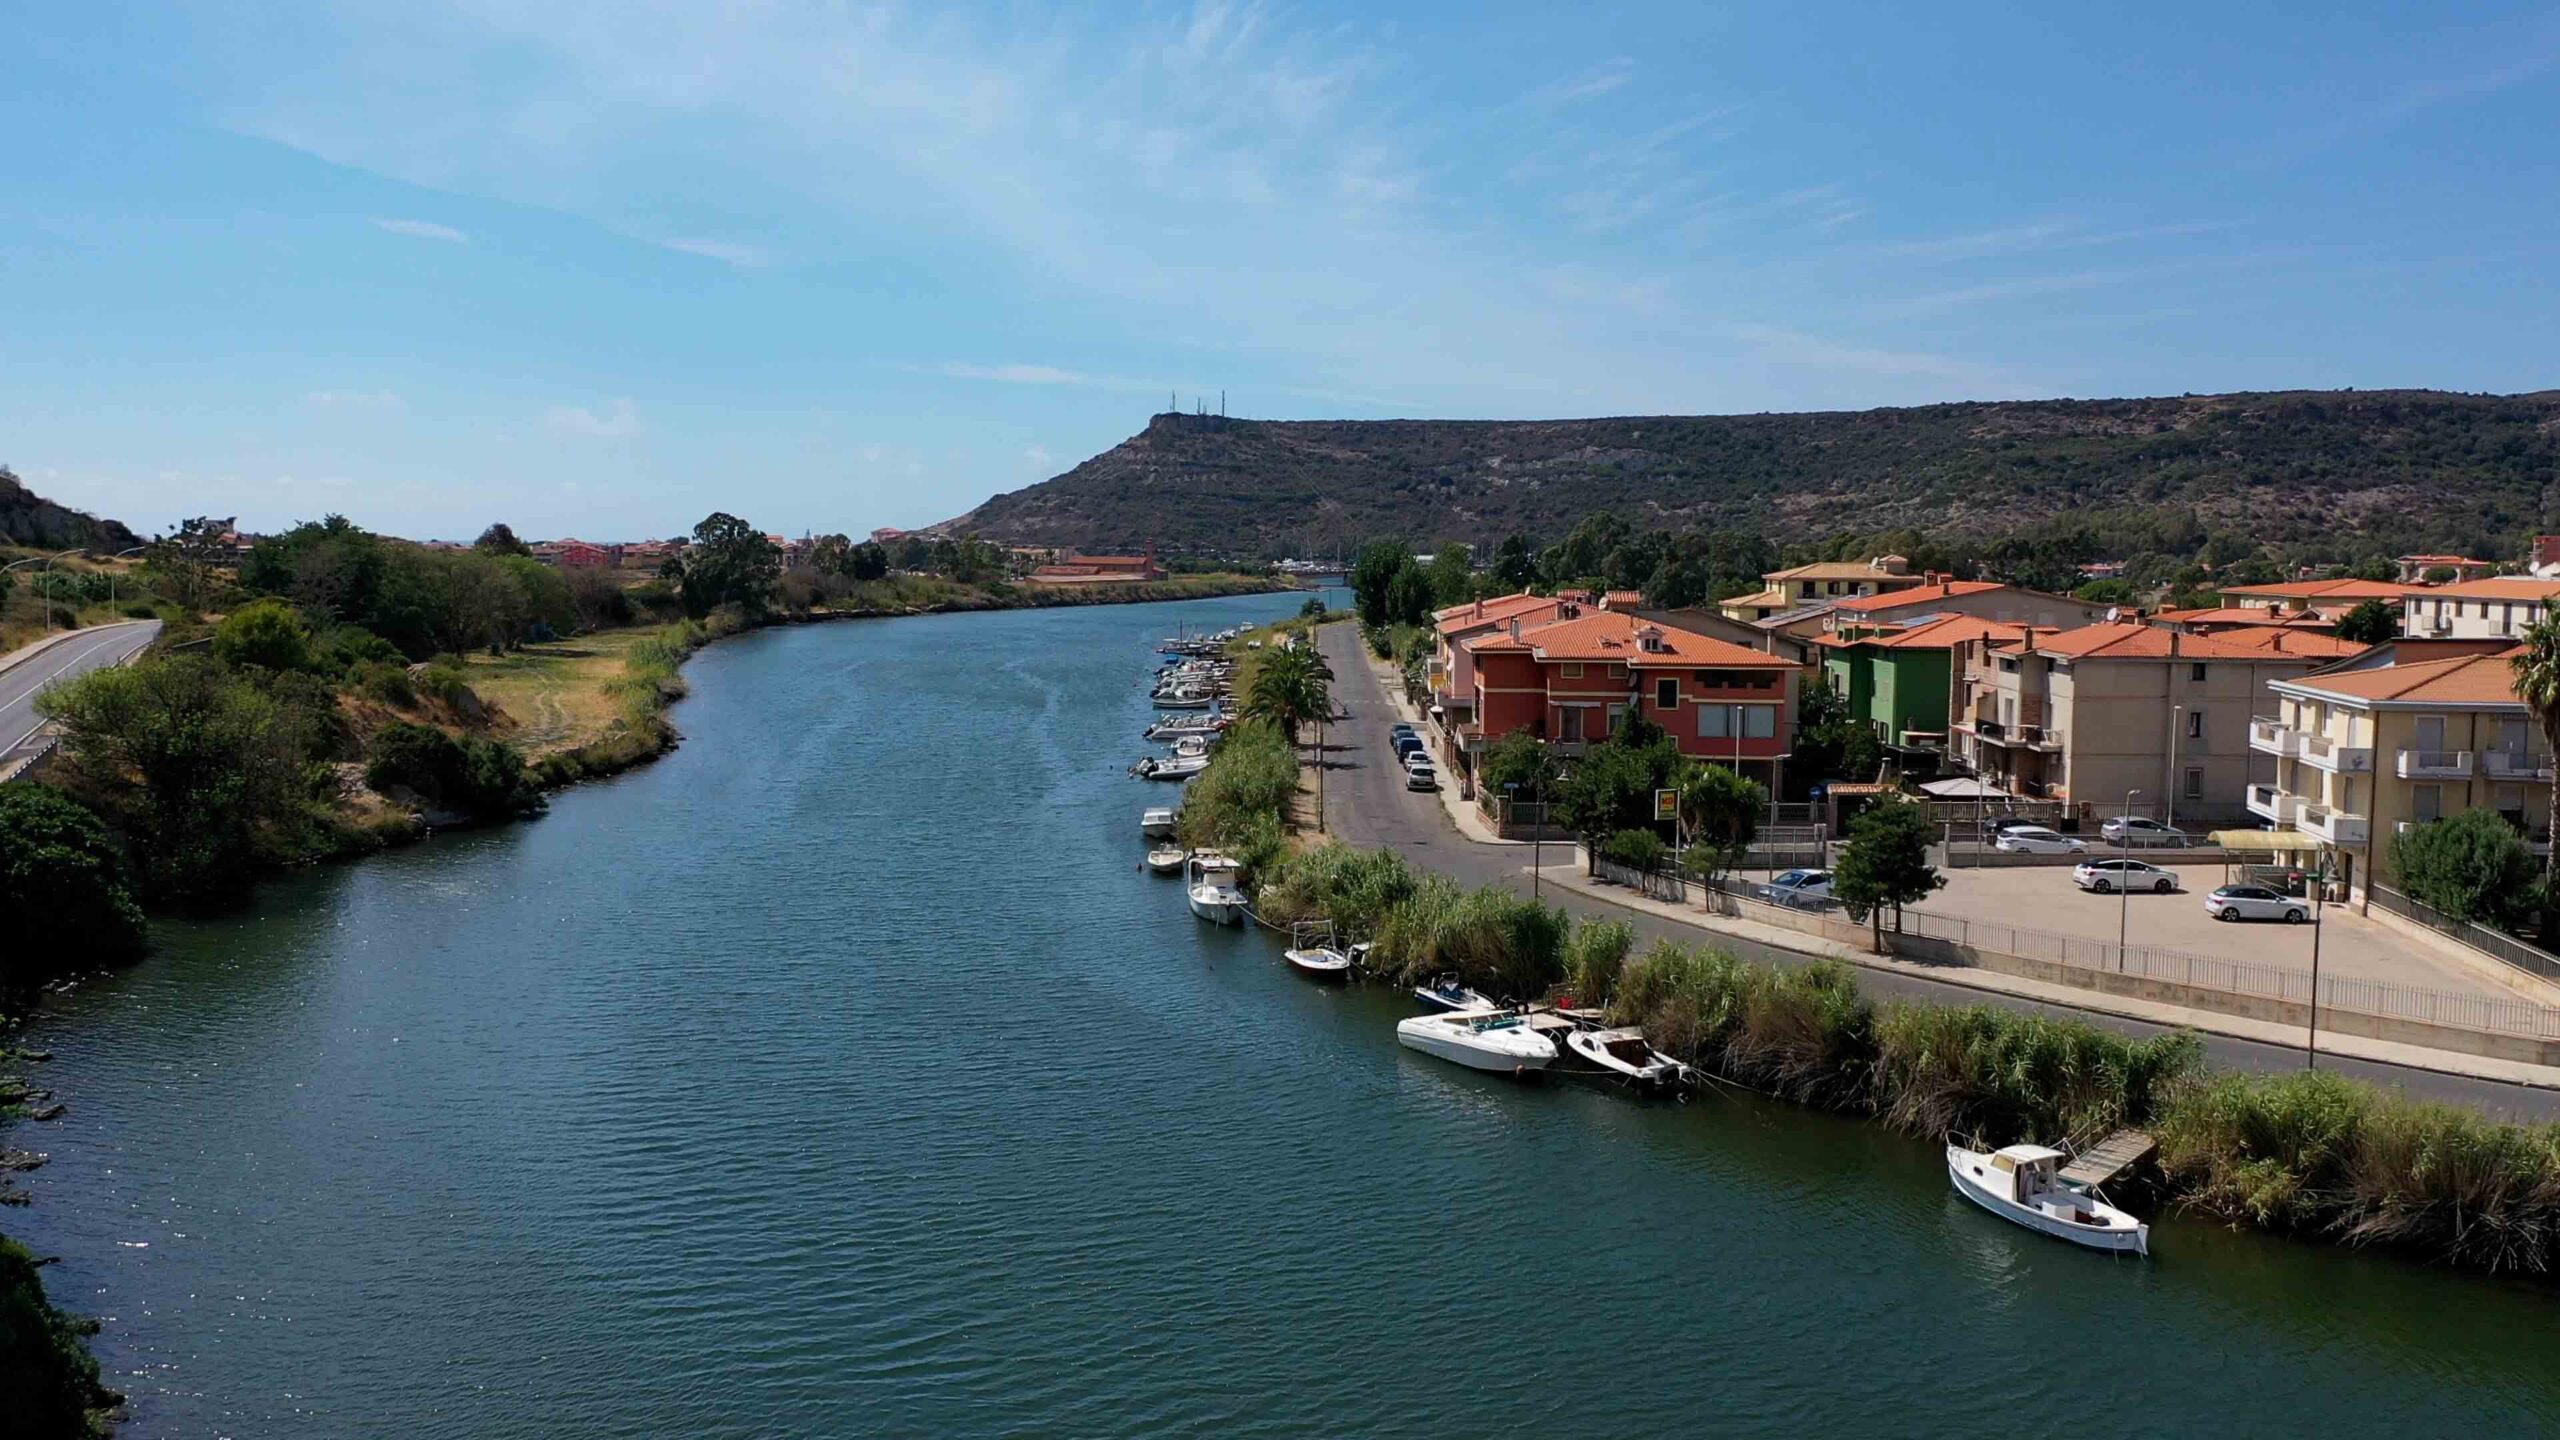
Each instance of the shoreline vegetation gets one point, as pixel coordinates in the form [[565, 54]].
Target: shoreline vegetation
[[2309, 1154]]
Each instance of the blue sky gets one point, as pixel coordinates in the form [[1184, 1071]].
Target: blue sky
[[598, 268]]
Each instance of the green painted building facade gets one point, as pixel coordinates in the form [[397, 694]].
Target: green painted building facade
[[1892, 687]]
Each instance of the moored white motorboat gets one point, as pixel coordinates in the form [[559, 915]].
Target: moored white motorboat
[[2018, 1184], [1191, 745], [1214, 883], [1498, 1041], [1313, 954], [1624, 1054], [1166, 859], [1179, 727], [1185, 700], [1155, 821], [1171, 767], [1447, 995]]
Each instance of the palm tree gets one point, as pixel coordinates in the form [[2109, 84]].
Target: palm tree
[[2537, 670], [1290, 688]]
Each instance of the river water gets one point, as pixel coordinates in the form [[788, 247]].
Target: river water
[[840, 1075]]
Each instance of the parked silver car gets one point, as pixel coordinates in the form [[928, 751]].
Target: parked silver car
[[2255, 902], [2037, 840], [2138, 830]]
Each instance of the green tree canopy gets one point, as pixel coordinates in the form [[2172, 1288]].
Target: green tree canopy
[[1886, 861], [1721, 812], [1452, 575], [267, 633], [500, 539], [1610, 788], [2473, 866], [1373, 577], [1291, 688], [2370, 623], [1515, 564], [730, 563], [65, 903]]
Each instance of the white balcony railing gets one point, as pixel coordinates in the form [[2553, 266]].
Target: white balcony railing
[[2434, 764], [2335, 826], [2515, 765], [2328, 754], [2272, 803], [2270, 736]]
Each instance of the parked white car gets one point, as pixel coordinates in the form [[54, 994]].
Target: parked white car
[[2255, 902], [1420, 776], [2107, 876], [2037, 840], [1810, 889], [2137, 830]]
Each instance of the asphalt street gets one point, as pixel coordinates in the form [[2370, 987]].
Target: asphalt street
[[86, 651]]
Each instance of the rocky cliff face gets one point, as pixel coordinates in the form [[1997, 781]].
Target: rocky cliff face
[[29, 519], [2399, 467]]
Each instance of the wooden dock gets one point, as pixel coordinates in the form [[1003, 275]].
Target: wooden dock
[[2109, 1158]]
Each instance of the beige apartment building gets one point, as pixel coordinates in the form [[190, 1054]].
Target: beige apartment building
[[2498, 609], [2090, 714], [2362, 755], [1800, 587]]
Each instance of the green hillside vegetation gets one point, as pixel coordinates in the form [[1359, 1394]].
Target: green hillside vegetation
[[2340, 474]]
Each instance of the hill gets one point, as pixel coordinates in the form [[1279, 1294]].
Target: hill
[[29, 519], [2385, 469]]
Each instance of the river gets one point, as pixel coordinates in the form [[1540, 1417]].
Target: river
[[839, 1074]]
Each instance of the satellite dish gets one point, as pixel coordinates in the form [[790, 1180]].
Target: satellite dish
[[2112, 614]]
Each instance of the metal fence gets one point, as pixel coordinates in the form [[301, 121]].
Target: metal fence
[[1654, 884], [2495, 944], [2242, 977]]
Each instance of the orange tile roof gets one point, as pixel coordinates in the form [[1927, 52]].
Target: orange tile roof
[[2330, 590], [1611, 635], [2253, 615], [2124, 640], [1496, 611], [2500, 587], [1920, 595], [2461, 680], [1943, 633]]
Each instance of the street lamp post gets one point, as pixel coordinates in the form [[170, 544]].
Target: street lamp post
[[42, 603], [2124, 878], [2319, 898], [2169, 797], [112, 573]]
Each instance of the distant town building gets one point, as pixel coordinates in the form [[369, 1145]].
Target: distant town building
[[1082, 569], [2414, 568], [2498, 608]]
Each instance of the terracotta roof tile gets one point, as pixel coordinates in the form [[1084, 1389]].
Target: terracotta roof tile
[[2501, 587], [1917, 595], [2124, 640], [2330, 590], [1612, 635], [2462, 680]]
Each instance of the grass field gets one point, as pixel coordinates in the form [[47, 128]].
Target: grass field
[[558, 696]]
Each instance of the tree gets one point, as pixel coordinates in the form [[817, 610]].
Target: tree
[[1611, 787], [1584, 551], [331, 567], [474, 776], [2369, 623], [500, 539], [1721, 811], [1886, 862], [1409, 595], [2105, 592], [1518, 758], [2441, 575], [1290, 688], [1831, 744], [729, 563], [1515, 564], [2537, 676], [1373, 576], [64, 899], [267, 633], [1452, 574], [2377, 566], [2472, 866], [828, 554], [203, 770], [183, 564]]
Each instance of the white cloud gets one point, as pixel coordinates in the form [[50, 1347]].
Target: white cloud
[[1037, 457], [422, 230], [1030, 375], [619, 419], [744, 257]]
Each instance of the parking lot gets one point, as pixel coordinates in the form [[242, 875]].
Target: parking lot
[[2043, 898]]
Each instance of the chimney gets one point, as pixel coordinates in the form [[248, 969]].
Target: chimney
[[1479, 610], [1515, 627], [2173, 644]]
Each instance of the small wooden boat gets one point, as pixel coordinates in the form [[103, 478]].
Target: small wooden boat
[[1214, 888], [1624, 1054], [1313, 954], [2018, 1184], [1499, 1041], [1156, 821], [1448, 996], [1166, 859]]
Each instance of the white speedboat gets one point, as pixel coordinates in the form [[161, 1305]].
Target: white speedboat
[[1172, 767], [1499, 1041], [2018, 1184], [1179, 727], [1447, 995], [1185, 700], [1624, 1054], [1214, 882], [1156, 821], [1190, 746], [1166, 859], [1313, 954]]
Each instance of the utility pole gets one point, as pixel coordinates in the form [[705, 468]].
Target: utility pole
[[2319, 898], [2124, 878]]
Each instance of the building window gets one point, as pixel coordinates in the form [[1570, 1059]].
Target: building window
[[1715, 722], [2426, 802], [2195, 784], [1666, 693], [1569, 724], [1573, 670], [2195, 724], [2195, 672], [1616, 714]]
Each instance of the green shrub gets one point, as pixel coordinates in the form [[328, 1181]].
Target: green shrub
[[1594, 958], [1506, 945], [2008, 1077], [387, 683], [478, 777], [266, 633], [1638, 849], [1352, 887], [46, 1371], [1251, 778], [2472, 866], [65, 902]]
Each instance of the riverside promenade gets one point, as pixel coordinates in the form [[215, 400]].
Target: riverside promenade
[[1366, 804]]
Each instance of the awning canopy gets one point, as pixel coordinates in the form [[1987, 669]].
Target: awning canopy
[[2282, 842], [1962, 787]]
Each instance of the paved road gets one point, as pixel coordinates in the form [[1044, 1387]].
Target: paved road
[[83, 652], [1366, 804]]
